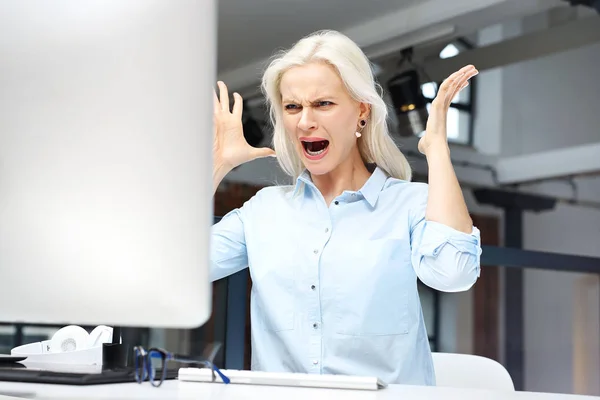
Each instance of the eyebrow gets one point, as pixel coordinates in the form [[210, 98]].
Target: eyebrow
[[320, 98]]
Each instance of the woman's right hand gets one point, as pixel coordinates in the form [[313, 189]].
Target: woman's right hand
[[230, 148]]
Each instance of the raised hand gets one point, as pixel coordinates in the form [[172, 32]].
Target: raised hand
[[230, 148], [435, 132]]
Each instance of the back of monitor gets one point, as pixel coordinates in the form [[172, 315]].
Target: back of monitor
[[105, 161]]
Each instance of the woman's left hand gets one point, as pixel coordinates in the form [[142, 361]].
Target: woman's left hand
[[435, 132]]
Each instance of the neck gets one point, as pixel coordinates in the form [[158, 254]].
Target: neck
[[350, 175]]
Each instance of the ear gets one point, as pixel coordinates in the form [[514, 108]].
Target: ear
[[365, 111]]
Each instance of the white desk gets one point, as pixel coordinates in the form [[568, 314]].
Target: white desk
[[218, 391]]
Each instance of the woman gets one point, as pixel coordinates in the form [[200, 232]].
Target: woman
[[334, 257]]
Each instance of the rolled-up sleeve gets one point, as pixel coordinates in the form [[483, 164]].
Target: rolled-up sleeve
[[444, 258], [228, 253]]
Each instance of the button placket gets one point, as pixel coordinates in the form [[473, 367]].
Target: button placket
[[313, 320], [313, 316]]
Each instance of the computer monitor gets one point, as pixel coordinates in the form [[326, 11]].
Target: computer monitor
[[106, 161]]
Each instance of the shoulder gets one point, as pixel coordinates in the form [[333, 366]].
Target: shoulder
[[405, 199], [269, 197], [416, 191], [274, 192], [267, 203]]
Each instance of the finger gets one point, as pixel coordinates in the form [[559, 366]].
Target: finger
[[463, 82], [238, 105], [468, 73], [454, 91], [457, 77], [453, 84], [447, 86], [460, 82], [466, 69], [224, 96], [447, 90], [216, 104], [263, 152], [457, 91], [421, 145]]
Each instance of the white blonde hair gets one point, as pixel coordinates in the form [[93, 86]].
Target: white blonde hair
[[376, 145]]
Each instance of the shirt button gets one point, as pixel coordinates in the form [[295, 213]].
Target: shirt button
[[326, 230], [313, 287], [336, 202], [315, 325], [316, 251], [315, 362]]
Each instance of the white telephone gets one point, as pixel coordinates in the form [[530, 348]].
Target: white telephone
[[69, 345]]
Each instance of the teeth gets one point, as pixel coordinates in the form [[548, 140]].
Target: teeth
[[315, 153]]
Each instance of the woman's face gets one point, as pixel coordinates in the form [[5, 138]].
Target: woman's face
[[320, 116]]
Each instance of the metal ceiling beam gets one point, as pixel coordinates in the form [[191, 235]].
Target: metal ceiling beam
[[570, 35], [552, 164]]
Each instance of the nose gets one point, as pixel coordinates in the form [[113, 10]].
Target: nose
[[307, 121]]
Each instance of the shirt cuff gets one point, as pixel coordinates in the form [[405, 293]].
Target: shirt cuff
[[437, 235]]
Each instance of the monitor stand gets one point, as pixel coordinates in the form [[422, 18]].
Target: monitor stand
[[115, 354]]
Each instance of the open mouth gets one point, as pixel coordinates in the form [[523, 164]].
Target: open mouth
[[315, 149]]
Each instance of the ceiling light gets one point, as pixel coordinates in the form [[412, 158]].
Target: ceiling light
[[409, 103]]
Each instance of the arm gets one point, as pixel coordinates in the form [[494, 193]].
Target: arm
[[219, 172], [443, 257], [230, 149], [445, 246], [228, 253], [445, 203]]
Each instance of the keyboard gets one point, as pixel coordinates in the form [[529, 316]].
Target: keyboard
[[72, 378], [292, 379]]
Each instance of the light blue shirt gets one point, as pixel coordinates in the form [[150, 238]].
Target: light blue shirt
[[335, 287]]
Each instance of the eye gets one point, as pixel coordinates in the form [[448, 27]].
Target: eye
[[324, 103], [291, 107]]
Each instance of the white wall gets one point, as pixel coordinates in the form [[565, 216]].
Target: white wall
[[557, 321], [547, 104], [562, 86]]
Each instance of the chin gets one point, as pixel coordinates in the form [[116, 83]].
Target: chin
[[321, 167], [318, 169]]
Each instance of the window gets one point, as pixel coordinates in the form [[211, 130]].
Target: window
[[460, 114]]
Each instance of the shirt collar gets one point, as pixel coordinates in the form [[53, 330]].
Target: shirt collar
[[370, 190], [303, 179], [373, 186]]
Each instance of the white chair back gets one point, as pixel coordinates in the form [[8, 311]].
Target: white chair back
[[468, 371]]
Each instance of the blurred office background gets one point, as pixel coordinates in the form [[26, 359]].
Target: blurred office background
[[528, 123]]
